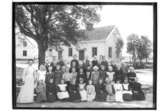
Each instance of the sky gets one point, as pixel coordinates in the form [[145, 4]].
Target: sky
[[128, 19]]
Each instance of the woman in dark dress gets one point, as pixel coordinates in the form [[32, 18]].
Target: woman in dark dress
[[88, 74], [58, 75], [81, 74], [102, 72], [74, 63], [72, 88], [137, 92], [101, 93], [131, 74], [50, 87], [119, 76]]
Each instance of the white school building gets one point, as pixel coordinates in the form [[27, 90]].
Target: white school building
[[97, 42]]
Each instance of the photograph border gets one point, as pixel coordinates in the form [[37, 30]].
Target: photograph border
[[154, 4]]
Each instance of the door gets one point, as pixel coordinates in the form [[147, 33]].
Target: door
[[81, 54]]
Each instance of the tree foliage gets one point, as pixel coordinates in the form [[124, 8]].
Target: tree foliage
[[139, 48], [53, 24]]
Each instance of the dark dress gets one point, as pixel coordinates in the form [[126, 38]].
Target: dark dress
[[50, 88], [83, 76], [101, 93], [73, 92], [41, 92], [105, 63], [77, 65], [57, 77], [137, 92], [88, 76], [47, 66], [95, 63], [127, 93], [131, 76], [102, 75], [119, 75]]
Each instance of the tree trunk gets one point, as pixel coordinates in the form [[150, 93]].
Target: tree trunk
[[41, 53]]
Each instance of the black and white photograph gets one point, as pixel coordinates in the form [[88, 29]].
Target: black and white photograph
[[84, 55]]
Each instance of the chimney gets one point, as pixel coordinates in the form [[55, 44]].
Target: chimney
[[89, 26]]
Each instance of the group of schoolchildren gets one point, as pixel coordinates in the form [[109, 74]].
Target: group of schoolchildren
[[86, 81]]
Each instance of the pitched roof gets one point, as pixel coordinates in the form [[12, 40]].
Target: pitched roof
[[100, 33]]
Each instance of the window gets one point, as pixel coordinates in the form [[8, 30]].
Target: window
[[60, 54], [94, 51], [24, 43], [70, 52], [110, 52], [24, 53]]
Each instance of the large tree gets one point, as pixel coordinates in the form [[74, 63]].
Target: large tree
[[132, 45], [53, 24], [144, 48], [140, 48]]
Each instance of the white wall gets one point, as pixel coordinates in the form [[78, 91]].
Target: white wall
[[32, 52], [102, 48]]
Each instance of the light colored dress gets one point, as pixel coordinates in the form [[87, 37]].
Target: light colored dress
[[118, 92], [63, 94], [110, 75], [67, 77], [26, 94], [126, 89], [91, 93], [82, 92], [41, 76]]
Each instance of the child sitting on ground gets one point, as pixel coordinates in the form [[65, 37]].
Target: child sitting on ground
[[127, 93], [118, 91], [82, 91], [91, 94], [73, 92], [62, 94]]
